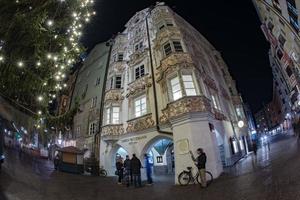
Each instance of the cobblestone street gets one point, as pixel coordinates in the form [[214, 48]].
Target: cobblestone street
[[273, 175]]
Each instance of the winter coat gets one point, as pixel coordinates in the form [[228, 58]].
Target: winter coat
[[119, 165], [147, 164], [127, 164], [201, 161], [136, 165]]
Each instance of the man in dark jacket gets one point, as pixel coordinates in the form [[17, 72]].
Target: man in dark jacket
[[200, 163], [128, 172], [136, 170], [119, 166]]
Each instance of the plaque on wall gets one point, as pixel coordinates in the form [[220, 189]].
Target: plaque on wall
[[183, 146]]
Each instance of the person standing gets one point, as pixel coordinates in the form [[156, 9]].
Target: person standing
[[56, 162], [128, 172], [136, 170], [119, 166], [200, 163], [254, 145], [148, 170]]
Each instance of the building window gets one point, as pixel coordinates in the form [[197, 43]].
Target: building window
[[177, 46], [120, 57], [92, 128], [182, 85], [281, 40], [167, 49], [97, 82], [94, 102], [289, 71], [78, 131], [115, 82], [108, 116], [138, 46], [176, 90], [189, 85], [139, 72], [113, 115], [214, 101], [140, 106], [118, 83], [174, 46]]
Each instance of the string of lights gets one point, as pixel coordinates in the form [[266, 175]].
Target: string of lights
[[63, 47]]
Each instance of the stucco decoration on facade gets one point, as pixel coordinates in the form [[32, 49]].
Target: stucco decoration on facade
[[168, 65], [112, 131], [185, 105], [210, 82], [113, 96], [139, 85], [141, 123]]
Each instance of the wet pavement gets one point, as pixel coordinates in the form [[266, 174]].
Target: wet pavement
[[273, 175]]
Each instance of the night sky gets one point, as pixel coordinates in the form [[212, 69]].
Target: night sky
[[232, 27]]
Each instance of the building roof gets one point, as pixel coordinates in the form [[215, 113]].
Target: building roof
[[71, 149]]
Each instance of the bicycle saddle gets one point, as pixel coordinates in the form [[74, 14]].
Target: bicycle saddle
[[189, 168]]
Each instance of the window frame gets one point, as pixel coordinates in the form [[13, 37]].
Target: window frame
[[92, 128], [139, 67], [94, 102], [172, 47], [109, 115], [141, 110]]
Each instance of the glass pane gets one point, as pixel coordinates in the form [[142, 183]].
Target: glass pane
[[177, 95], [143, 106], [189, 85], [138, 113], [116, 109], [190, 92], [187, 78], [176, 88], [177, 46], [167, 49], [174, 81], [143, 100]]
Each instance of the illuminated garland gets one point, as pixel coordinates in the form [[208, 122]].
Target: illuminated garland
[[46, 70]]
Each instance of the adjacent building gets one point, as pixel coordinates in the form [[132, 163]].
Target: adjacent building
[[168, 91], [280, 24], [88, 92]]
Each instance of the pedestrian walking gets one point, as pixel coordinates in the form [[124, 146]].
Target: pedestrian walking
[[148, 167], [128, 172], [119, 166], [56, 162], [254, 145], [136, 170], [200, 162]]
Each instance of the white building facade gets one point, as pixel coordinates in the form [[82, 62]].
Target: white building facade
[[169, 91]]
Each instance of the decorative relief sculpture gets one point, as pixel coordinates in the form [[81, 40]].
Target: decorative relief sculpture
[[236, 100], [114, 95], [219, 115], [185, 105], [171, 64], [210, 82], [139, 85], [141, 123], [112, 131]]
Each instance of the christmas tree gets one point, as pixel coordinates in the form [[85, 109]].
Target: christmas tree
[[38, 45]]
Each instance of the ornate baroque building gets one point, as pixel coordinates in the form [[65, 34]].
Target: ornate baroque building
[[280, 25], [165, 81]]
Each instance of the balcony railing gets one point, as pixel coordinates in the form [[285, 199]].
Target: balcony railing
[[168, 64], [114, 95], [139, 84], [187, 104], [140, 123], [112, 132]]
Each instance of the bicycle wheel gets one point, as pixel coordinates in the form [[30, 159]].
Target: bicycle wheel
[[184, 178], [103, 172], [209, 178]]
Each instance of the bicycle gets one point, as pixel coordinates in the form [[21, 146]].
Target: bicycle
[[185, 177]]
